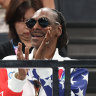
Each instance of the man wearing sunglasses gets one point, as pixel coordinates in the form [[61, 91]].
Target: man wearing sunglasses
[[48, 31]]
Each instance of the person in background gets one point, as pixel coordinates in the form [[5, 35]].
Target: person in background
[[48, 31], [14, 36], [48, 3], [4, 6], [4, 3], [17, 14]]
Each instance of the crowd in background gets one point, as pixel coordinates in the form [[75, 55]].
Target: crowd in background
[[4, 6]]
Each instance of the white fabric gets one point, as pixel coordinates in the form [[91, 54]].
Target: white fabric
[[55, 57], [16, 85], [28, 89]]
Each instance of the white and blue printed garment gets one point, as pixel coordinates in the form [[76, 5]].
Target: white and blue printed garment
[[79, 77], [79, 80]]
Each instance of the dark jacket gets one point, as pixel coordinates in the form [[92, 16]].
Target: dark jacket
[[7, 48]]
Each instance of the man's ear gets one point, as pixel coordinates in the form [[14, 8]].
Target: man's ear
[[59, 30]]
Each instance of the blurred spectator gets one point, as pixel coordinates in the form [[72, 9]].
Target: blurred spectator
[[48, 3], [3, 25], [4, 5], [16, 16]]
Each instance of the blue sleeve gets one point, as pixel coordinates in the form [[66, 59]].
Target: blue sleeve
[[79, 81]]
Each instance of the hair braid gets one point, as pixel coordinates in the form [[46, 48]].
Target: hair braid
[[63, 39]]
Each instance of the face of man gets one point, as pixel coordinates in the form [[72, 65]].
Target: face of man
[[44, 20]]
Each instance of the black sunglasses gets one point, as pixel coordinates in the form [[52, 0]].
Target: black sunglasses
[[43, 22]]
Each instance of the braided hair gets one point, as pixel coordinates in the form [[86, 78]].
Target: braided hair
[[63, 39]]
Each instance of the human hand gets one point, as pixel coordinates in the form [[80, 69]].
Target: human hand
[[22, 71], [46, 49], [20, 53], [21, 75]]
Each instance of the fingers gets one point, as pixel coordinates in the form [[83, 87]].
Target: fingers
[[19, 52], [22, 73], [46, 40], [26, 53], [47, 37], [20, 47]]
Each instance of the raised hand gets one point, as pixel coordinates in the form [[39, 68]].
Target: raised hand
[[22, 71], [47, 47], [20, 53]]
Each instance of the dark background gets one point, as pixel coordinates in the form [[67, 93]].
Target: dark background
[[77, 10], [80, 18]]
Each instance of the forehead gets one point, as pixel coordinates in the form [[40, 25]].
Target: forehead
[[44, 12]]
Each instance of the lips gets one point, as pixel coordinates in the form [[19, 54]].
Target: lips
[[27, 33], [37, 34]]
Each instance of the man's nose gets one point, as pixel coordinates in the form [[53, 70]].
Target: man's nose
[[36, 26]]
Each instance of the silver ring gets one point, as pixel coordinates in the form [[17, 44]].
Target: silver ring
[[47, 42]]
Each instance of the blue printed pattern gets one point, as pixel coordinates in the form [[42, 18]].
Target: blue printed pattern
[[79, 80]]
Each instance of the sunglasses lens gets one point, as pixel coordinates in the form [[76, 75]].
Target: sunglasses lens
[[43, 22], [30, 23]]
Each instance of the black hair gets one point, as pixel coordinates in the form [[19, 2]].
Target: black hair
[[63, 39]]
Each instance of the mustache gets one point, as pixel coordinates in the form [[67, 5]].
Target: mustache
[[39, 32]]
